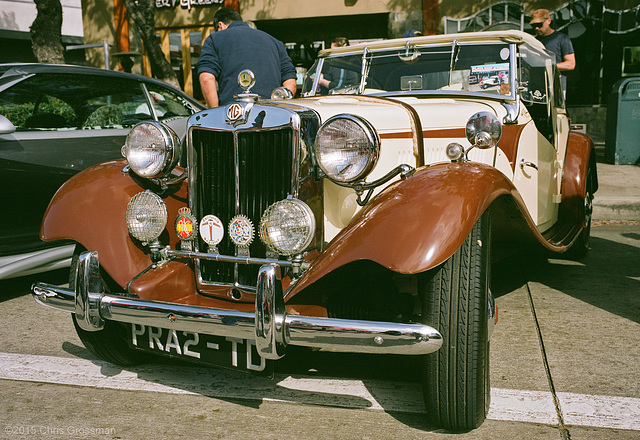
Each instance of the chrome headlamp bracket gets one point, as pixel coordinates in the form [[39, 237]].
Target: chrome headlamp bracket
[[361, 188]]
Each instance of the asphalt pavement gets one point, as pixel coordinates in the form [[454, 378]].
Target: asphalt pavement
[[564, 365]]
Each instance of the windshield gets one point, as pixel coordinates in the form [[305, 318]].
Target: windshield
[[476, 68]]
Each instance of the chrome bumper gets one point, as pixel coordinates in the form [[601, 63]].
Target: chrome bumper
[[270, 326]]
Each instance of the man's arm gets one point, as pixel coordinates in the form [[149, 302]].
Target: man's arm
[[209, 89], [568, 62], [287, 70], [291, 84]]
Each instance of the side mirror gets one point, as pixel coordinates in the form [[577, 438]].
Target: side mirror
[[483, 130], [6, 127]]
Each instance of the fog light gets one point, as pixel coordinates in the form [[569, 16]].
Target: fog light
[[146, 216], [287, 227], [455, 151]]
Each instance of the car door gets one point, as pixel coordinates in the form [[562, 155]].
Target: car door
[[537, 167]]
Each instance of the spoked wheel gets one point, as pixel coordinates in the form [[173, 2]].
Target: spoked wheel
[[455, 301], [111, 343]]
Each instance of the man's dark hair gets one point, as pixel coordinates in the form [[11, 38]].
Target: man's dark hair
[[225, 15], [341, 41]]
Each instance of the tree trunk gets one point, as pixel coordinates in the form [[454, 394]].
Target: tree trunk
[[143, 14], [46, 34]]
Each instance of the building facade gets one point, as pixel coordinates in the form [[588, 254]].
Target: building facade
[[17, 16], [605, 33]]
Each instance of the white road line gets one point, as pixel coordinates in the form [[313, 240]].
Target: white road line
[[509, 405]]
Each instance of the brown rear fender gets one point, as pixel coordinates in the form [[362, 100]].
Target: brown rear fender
[[90, 209], [417, 223], [579, 158]]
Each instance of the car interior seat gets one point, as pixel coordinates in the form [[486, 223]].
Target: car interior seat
[[106, 116]]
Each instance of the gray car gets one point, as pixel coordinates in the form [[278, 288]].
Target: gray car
[[55, 121]]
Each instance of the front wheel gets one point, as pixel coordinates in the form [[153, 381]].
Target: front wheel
[[455, 301], [110, 343]]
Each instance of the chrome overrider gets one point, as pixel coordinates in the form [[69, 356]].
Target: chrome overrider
[[270, 326]]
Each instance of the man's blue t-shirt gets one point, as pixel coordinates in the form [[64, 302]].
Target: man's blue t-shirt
[[560, 45], [226, 53]]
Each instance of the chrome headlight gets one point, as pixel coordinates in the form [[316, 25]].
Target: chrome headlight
[[152, 149], [347, 148], [287, 227], [146, 216], [281, 93]]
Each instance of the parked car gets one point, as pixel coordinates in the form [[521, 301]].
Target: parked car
[[56, 120], [363, 221], [490, 82]]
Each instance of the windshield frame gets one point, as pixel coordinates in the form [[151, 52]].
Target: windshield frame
[[368, 54]]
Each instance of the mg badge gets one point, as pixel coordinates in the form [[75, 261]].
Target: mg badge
[[234, 112]]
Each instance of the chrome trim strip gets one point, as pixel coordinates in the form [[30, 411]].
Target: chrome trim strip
[[512, 108], [149, 101], [19, 265], [275, 330], [167, 252]]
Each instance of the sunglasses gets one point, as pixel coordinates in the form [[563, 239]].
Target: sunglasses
[[537, 25]]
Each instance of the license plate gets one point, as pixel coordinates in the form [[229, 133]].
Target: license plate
[[217, 350]]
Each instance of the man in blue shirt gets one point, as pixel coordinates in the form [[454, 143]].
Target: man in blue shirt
[[234, 47], [556, 42]]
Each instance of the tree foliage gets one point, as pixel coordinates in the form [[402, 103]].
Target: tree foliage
[[46, 32], [143, 14]]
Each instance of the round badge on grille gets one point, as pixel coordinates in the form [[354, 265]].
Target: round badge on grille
[[241, 231], [185, 225], [211, 230]]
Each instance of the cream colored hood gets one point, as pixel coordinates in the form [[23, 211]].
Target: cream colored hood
[[393, 116]]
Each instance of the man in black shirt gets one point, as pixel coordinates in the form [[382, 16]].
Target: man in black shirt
[[234, 47], [556, 42]]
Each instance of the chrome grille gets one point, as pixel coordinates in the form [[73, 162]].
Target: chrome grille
[[239, 173]]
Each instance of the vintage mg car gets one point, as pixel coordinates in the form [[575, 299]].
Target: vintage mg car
[[362, 218]]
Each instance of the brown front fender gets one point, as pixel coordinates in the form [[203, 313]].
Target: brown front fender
[[417, 223], [90, 209]]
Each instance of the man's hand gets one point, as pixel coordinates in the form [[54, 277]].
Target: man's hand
[[291, 85]]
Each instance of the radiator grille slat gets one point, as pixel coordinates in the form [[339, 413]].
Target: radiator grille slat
[[265, 166]]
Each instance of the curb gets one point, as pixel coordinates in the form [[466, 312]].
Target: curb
[[616, 208]]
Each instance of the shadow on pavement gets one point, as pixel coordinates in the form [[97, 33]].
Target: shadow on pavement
[[607, 278]]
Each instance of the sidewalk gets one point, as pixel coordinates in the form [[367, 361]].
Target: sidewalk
[[618, 194]]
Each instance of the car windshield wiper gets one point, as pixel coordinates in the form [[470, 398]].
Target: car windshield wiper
[[455, 52], [366, 64]]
